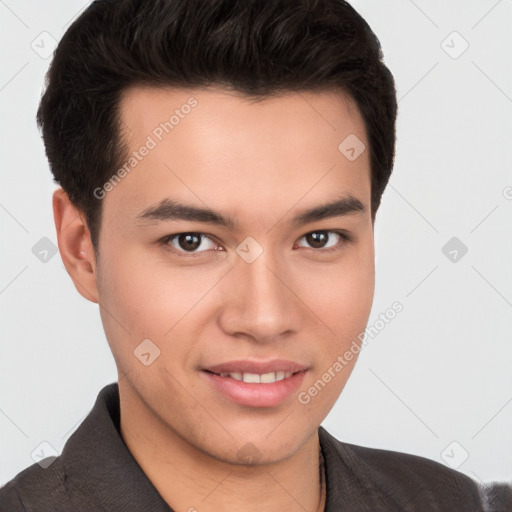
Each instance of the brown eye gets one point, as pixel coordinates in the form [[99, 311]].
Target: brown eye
[[190, 242], [321, 239], [317, 239]]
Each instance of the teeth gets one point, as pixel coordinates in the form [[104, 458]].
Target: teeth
[[256, 378], [252, 378], [268, 377]]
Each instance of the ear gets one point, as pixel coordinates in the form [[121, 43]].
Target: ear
[[75, 246]]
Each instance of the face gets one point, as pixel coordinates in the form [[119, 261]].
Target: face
[[236, 264]]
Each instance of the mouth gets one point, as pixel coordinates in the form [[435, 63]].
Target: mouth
[[255, 384], [255, 378]]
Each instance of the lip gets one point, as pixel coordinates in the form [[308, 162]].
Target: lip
[[246, 366], [255, 394]]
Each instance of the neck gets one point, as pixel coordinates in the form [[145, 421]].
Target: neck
[[192, 480]]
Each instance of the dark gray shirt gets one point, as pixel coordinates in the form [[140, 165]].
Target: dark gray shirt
[[96, 472]]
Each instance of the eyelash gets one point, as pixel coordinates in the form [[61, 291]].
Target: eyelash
[[345, 238]]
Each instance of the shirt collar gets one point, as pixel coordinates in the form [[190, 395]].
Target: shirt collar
[[99, 465]]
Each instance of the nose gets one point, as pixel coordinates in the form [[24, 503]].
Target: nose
[[260, 302]]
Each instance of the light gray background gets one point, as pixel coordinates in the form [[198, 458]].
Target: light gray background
[[438, 373]]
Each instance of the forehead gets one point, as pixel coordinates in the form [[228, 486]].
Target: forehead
[[224, 150], [144, 109]]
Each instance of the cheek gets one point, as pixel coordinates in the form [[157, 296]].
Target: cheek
[[344, 308], [153, 301], [135, 304], [149, 297], [343, 297], [341, 294]]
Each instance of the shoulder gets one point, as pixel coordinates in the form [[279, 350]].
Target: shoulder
[[36, 489], [497, 496], [10, 499], [402, 479], [412, 469]]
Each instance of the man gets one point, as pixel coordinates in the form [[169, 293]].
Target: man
[[221, 164]]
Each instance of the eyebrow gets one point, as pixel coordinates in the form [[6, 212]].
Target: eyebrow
[[170, 209]]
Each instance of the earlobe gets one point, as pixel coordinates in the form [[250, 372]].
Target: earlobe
[[75, 246]]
